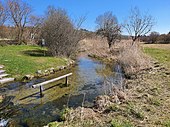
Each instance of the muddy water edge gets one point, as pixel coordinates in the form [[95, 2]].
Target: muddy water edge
[[23, 106]]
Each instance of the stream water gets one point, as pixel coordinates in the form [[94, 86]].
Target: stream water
[[90, 78]]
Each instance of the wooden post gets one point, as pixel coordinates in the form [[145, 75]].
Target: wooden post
[[66, 81], [41, 94]]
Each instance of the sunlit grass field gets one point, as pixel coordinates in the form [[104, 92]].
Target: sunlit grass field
[[160, 52], [20, 60]]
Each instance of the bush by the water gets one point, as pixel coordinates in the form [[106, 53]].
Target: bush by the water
[[60, 33]]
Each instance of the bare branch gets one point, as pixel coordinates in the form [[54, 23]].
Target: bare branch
[[138, 25], [19, 12]]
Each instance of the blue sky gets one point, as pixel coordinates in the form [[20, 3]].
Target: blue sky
[[159, 9]]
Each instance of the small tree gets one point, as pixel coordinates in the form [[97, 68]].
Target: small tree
[[60, 34], [108, 27], [138, 24], [19, 13]]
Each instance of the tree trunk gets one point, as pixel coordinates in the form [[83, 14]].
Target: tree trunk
[[19, 36]]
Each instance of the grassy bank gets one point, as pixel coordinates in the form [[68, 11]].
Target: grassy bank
[[159, 52], [24, 59]]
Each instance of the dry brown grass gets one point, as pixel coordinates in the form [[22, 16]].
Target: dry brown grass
[[159, 46], [94, 46], [131, 57]]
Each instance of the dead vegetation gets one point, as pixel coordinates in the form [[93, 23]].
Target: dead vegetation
[[131, 58], [95, 46], [158, 46], [82, 117]]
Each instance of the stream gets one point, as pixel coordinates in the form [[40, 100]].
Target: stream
[[90, 78]]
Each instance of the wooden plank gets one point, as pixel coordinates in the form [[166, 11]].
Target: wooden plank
[[52, 80], [3, 75], [6, 80], [2, 71]]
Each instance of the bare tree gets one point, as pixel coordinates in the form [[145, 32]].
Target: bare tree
[[108, 27], [36, 23], [138, 24], [60, 33], [19, 12], [3, 14]]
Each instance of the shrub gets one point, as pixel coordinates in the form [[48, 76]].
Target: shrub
[[60, 33]]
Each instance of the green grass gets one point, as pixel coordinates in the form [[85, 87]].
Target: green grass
[[116, 123], [162, 55], [23, 59], [55, 124], [167, 123]]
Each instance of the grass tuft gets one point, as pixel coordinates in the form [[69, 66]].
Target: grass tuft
[[116, 123]]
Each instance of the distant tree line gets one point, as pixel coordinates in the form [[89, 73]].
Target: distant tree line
[[155, 38]]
